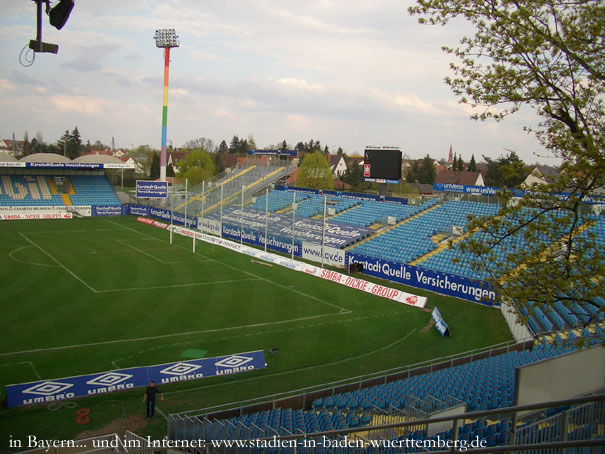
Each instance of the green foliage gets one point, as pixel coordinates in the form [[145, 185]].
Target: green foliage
[[70, 144], [154, 167], [425, 172], [547, 55], [238, 146], [196, 167], [507, 171], [219, 166], [354, 176], [223, 148], [315, 172], [472, 165]]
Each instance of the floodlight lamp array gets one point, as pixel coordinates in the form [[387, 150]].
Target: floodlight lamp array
[[166, 37]]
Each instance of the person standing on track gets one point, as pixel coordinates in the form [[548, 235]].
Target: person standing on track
[[149, 397]]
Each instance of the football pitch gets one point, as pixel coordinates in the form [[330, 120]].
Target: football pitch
[[91, 295]]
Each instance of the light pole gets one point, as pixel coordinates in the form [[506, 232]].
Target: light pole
[[165, 38]]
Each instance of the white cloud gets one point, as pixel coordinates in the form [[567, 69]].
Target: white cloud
[[84, 105], [6, 86], [346, 73]]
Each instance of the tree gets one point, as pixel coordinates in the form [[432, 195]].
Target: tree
[[547, 55], [223, 148], [315, 172], [284, 145], [234, 145], [251, 143], [63, 142], [426, 172], [27, 146], [196, 166], [472, 165], [460, 164], [507, 171], [74, 145], [412, 176], [154, 167], [201, 143], [98, 146], [219, 165], [354, 176]]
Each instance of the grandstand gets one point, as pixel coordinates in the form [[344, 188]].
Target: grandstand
[[50, 180], [482, 384], [57, 190], [422, 235]]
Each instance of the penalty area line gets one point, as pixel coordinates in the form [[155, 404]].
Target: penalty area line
[[59, 263], [176, 285], [342, 309]]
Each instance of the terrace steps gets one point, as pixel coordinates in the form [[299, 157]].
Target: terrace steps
[[442, 247]]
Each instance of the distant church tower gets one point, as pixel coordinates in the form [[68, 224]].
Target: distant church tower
[[451, 156]]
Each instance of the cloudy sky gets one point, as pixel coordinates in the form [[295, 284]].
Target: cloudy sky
[[347, 73]]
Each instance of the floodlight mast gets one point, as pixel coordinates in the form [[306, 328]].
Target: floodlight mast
[[165, 38]]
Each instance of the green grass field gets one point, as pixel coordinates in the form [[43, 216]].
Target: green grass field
[[90, 295]]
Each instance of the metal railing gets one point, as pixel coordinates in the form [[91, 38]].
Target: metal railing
[[308, 394], [364, 439]]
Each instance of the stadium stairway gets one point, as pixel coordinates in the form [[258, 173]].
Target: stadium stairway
[[442, 247], [253, 178], [220, 183], [273, 176]]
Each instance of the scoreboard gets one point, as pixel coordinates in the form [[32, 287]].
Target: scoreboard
[[382, 164]]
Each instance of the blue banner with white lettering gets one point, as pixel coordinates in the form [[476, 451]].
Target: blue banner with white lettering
[[250, 236], [435, 281], [440, 324], [119, 380], [160, 213], [109, 210], [346, 195], [290, 153], [152, 189]]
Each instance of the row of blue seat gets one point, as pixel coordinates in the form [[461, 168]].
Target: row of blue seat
[[38, 190], [483, 384]]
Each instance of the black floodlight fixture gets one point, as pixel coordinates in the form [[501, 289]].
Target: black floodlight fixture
[[57, 17], [59, 14], [166, 37]]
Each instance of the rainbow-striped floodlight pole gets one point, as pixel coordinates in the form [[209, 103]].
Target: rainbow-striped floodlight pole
[[165, 38]]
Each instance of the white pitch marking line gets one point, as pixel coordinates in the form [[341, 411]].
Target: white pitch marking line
[[167, 262], [174, 286], [293, 370], [71, 231], [60, 264], [342, 309], [164, 336], [31, 364], [161, 413], [258, 333], [142, 252], [10, 254]]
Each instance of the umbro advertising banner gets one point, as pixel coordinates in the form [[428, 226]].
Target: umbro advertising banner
[[119, 380]]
